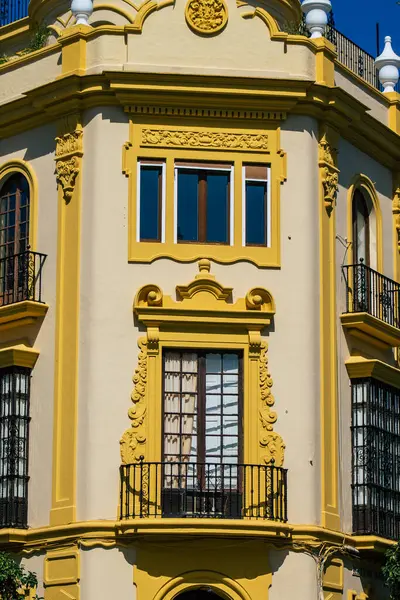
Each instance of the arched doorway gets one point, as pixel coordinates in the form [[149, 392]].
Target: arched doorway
[[199, 594]]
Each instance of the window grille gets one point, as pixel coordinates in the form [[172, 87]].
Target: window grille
[[14, 442], [376, 458]]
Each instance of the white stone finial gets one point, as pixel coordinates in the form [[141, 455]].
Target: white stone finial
[[388, 64], [316, 12], [82, 9]]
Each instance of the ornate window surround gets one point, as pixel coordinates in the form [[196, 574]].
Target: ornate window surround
[[203, 317], [191, 141]]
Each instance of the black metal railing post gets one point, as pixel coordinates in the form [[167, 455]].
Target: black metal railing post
[[21, 277], [369, 291], [212, 490]]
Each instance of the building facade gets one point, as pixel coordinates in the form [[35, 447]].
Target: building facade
[[199, 307]]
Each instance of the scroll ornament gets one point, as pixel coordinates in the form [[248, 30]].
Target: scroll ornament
[[330, 174], [68, 154], [183, 138], [270, 441], [131, 443]]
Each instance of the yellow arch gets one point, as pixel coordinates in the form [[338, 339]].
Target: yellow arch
[[21, 166], [222, 585], [364, 183], [264, 16]]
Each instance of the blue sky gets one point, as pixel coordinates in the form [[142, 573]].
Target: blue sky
[[357, 19]]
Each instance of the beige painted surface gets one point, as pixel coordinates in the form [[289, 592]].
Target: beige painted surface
[[17, 81], [244, 47], [107, 573], [36, 147], [108, 344], [293, 576], [35, 563], [376, 105], [351, 163]]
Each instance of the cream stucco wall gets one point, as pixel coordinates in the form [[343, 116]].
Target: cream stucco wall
[[37, 148], [107, 573], [108, 335], [16, 82], [352, 162], [293, 576]]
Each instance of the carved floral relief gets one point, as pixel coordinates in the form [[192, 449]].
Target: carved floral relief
[[206, 16]]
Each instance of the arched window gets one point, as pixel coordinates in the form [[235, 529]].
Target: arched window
[[361, 229], [14, 215], [200, 594]]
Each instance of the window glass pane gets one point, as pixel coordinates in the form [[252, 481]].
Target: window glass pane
[[256, 216], [217, 207], [188, 209], [213, 363], [150, 202]]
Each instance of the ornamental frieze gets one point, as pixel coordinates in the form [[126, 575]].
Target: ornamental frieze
[[179, 138]]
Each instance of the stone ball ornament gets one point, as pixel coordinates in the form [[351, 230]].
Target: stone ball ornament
[[388, 64], [316, 12], [82, 10]]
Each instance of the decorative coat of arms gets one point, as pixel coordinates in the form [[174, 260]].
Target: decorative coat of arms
[[206, 16]]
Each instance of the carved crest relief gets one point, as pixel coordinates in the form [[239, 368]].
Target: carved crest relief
[[69, 151], [206, 16]]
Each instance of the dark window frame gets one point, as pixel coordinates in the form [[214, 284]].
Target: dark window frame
[[14, 449], [359, 206], [201, 402], [202, 169], [152, 163], [375, 431], [13, 246]]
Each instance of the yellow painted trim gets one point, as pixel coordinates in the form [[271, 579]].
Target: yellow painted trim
[[328, 139], [394, 111], [17, 28], [371, 329], [20, 61], [17, 165], [62, 573], [21, 313], [19, 355], [67, 327], [365, 184], [116, 9], [223, 586], [263, 146], [359, 368], [73, 42]]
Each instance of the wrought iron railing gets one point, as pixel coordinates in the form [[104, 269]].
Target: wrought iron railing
[[12, 10], [355, 58], [21, 277], [376, 462], [369, 291], [212, 490]]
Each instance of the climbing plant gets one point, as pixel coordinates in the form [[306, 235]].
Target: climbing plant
[[391, 571], [15, 582]]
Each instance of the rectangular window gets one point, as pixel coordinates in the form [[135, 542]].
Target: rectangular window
[[202, 431], [14, 440], [376, 458], [203, 198], [151, 186], [256, 208]]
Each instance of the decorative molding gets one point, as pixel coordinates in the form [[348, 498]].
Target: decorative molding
[[206, 16], [270, 441], [329, 172], [181, 138], [361, 368], [204, 282], [132, 441], [205, 113], [69, 151]]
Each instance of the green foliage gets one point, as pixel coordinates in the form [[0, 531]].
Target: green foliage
[[38, 40], [391, 572], [15, 581], [293, 27]]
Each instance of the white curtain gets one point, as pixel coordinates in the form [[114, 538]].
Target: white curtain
[[180, 398]]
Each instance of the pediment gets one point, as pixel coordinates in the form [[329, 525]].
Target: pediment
[[204, 300]]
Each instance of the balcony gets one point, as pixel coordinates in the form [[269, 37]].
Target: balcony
[[21, 288], [372, 306], [213, 491]]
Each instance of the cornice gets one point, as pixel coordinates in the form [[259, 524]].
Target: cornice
[[360, 368], [139, 91], [111, 533]]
